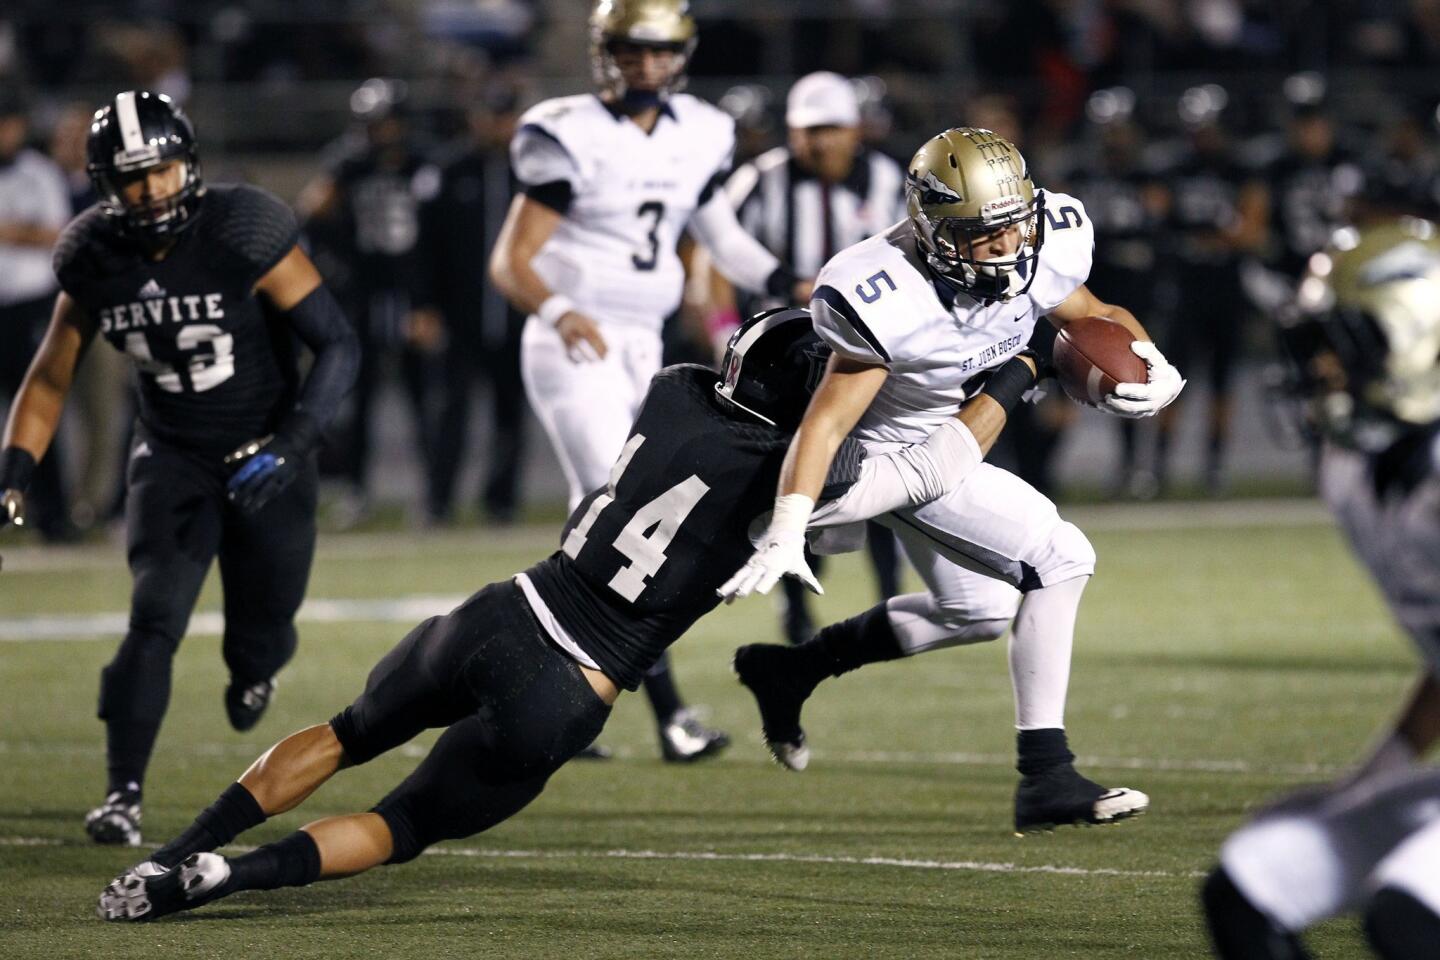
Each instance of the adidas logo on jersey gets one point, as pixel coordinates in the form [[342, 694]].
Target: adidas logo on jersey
[[151, 289]]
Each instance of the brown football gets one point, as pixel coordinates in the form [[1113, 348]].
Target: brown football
[[1092, 355]]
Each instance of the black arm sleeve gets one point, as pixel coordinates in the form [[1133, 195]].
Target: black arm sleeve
[[321, 324]]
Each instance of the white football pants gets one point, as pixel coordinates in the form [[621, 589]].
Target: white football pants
[[993, 551], [587, 409], [1321, 854]]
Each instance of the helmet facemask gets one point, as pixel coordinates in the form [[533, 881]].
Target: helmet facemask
[[158, 219], [949, 244]]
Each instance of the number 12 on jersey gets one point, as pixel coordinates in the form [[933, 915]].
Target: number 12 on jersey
[[644, 538]]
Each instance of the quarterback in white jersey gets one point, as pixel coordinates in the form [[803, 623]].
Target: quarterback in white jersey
[[1364, 343], [609, 181], [918, 318]]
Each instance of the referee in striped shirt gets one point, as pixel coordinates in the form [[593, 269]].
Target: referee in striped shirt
[[806, 202]]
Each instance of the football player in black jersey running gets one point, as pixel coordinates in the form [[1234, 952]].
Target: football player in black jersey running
[[524, 673], [206, 290]]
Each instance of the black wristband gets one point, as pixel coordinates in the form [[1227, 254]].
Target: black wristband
[[781, 283], [17, 466], [1009, 382]]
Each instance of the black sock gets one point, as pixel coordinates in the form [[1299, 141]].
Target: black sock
[[847, 645], [660, 688], [293, 861], [128, 744], [231, 815], [1039, 750]]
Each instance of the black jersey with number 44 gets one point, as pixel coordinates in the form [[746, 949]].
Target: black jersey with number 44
[[217, 366], [641, 559]]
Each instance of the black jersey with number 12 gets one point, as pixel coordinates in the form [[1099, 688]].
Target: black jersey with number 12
[[217, 367], [641, 559]]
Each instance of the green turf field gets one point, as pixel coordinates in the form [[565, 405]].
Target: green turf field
[[1215, 664]]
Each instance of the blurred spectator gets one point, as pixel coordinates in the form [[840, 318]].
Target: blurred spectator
[[751, 107], [1127, 203], [1312, 183], [366, 211], [1402, 175], [458, 225], [1217, 218], [34, 207], [101, 390]]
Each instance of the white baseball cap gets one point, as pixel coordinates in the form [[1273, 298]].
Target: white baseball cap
[[822, 99]]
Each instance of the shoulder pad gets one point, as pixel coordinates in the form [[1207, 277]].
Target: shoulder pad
[[253, 225], [81, 251], [1068, 252], [539, 155]]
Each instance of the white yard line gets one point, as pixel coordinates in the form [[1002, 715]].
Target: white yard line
[[104, 626], [543, 538], [1235, 767], [711, 856]]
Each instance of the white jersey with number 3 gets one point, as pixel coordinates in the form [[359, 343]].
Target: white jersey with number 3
[[632, 193], [876, 302]]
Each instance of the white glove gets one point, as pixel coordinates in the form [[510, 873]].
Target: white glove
[[781, 552], [1163, 384]]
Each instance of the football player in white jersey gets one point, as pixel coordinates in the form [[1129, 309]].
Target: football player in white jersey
[[918, 318], [1365, 346], [610, 180]]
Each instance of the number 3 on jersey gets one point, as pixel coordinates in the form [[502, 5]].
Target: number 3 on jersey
[[643, 540], [205, 370]]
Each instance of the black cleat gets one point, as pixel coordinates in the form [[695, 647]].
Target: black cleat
[[245, 704], [137, 898], [1238, 931], [761, 668], [684, 739], [1060, 796], [117, 820]]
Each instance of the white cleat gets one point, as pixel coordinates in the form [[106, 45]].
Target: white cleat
[[1119, 803], [134, 897], [790, 755]]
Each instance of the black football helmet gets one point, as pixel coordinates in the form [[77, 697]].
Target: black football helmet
[[134, 133], [772, 365]]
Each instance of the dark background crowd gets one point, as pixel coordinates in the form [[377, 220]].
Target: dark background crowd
[[1215, 144]]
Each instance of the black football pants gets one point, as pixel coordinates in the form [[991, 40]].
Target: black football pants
[[177, 521], [516, 706]]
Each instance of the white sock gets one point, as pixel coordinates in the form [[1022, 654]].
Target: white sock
[[1040, 642]]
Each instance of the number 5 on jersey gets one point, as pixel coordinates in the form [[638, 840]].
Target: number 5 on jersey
[[644, 538]]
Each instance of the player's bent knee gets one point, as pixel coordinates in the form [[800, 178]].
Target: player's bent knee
[[1401, 927], [1238, 930], [1065, 555]]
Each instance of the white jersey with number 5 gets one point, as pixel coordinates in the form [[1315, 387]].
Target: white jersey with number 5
[[631, 195], [876, 302]]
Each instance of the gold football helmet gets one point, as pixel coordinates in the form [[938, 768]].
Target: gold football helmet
[[1364, 339], [967, 184], [661, 24]]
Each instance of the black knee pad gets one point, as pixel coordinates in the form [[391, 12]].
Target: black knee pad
[[1400, 927], [1238, 930], [136, 684]]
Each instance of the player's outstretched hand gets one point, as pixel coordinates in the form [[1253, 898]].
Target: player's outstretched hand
[[779, 552], [263, 468], [1163, 384], [583, 343]]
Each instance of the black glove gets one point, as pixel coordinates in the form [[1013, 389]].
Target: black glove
[[265, 467]]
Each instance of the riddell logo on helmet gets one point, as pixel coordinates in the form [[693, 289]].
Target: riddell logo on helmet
[[1002, 207]]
